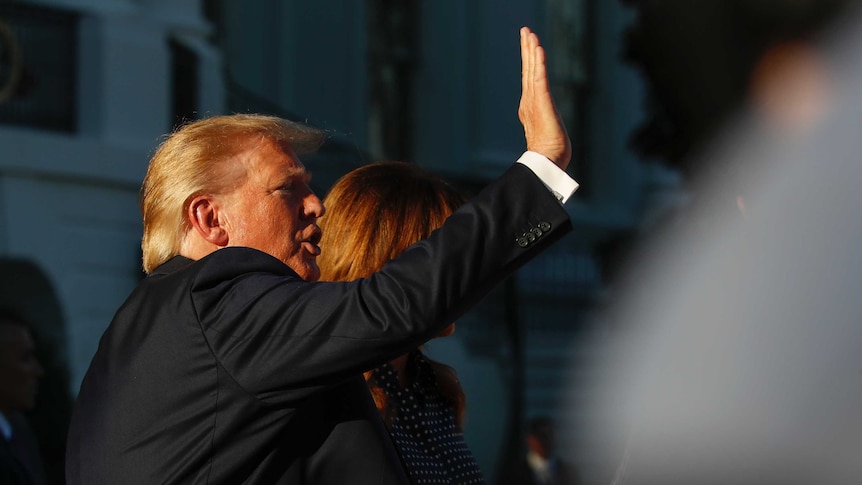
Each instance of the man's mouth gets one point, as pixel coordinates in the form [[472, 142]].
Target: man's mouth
[[312, 243], [311, 248]]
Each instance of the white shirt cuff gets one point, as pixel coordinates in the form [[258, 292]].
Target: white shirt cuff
[[554, 178]]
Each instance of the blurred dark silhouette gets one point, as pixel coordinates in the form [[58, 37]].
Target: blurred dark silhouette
[[703, 63], [540, 464], [26, 291], [20, 371], [737, 355], [698, 59]]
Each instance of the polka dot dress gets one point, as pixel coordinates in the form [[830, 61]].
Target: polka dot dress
[[424, 432]]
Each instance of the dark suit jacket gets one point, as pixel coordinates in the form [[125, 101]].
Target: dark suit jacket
[[233, 370], [12, 470]]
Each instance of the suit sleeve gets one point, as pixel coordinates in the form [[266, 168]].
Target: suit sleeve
[[282, 338]]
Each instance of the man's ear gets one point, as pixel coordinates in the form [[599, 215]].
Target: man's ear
[[204, 215]]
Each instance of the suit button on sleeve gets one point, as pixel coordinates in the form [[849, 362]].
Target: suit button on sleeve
[[545, 226]]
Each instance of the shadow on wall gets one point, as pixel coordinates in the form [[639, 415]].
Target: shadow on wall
[[25, 289]]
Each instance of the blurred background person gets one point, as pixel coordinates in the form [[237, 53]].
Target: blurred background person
[[737, 361], [541, 465], [373, 214], [20, 371]]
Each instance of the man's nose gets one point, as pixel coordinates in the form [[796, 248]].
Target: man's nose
[[314, 206]]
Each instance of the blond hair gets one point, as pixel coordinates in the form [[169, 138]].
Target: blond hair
[[373, 214], [194, 160]]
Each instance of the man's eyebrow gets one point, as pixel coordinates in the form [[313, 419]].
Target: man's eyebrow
[[298, 173]]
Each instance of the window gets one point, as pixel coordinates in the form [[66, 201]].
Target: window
[[393, 29], [184, 83], [38, 67], [570, 66]]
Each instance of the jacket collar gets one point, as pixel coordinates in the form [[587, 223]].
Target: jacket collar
[[172, 265]]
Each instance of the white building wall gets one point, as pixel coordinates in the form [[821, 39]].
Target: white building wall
[[70, 206], [69, 202]]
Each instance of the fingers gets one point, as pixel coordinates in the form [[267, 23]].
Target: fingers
[[529, 45], [534, 77], [525, 57], [532, 54], [539, 68], [543, 126]]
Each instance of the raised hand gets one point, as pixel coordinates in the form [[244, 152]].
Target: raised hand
[[543, 126]]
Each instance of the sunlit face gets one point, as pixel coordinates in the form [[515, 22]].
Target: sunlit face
[[19, 369], [274, 209]]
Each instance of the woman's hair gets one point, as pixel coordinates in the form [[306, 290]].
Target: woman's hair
[[373, 214], [376, 212], [195, 160]]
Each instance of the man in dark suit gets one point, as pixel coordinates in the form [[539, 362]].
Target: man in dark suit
[[540, 465], [20, 462], [230, 364]]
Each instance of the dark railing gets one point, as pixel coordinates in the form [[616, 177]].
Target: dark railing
[[38, 66]]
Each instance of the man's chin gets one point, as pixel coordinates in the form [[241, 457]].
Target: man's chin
[[310, 272], [306, 268]]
